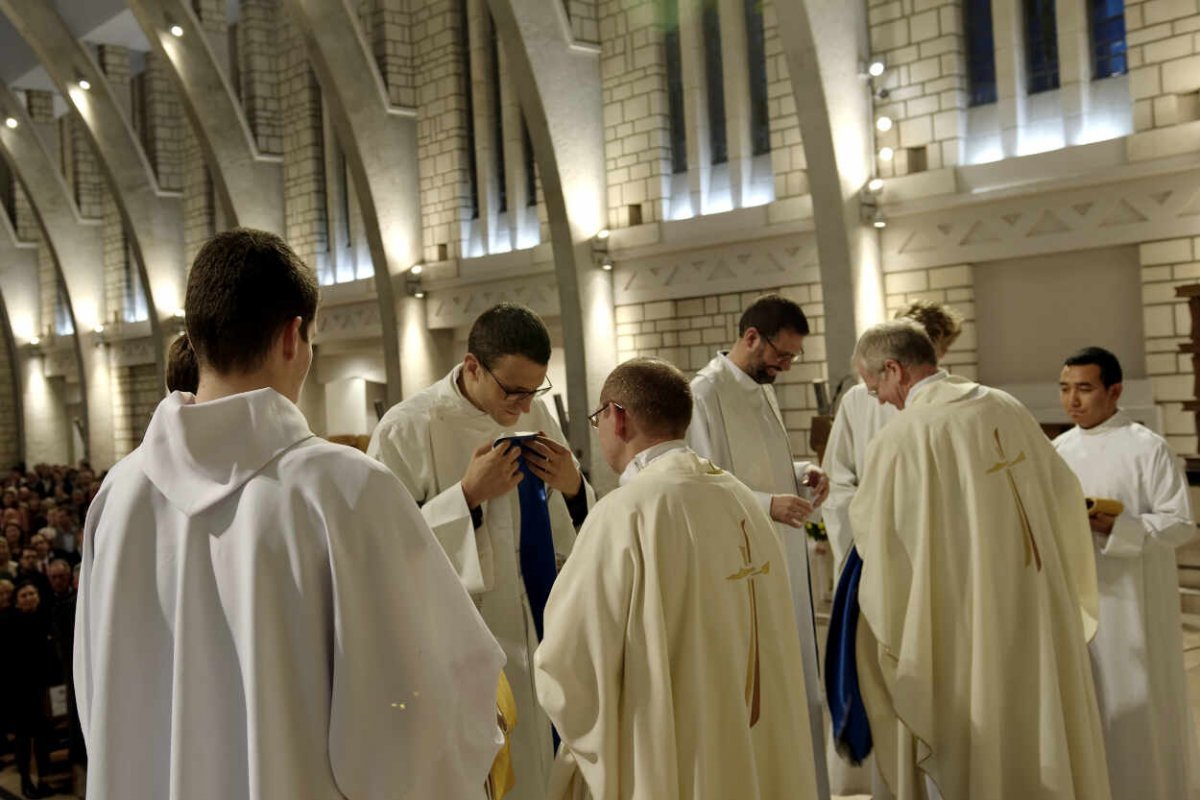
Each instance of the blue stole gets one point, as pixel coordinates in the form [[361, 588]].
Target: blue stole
[[538, 565], [851, 728]]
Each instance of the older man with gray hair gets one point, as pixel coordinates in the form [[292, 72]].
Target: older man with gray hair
[[977, 590]]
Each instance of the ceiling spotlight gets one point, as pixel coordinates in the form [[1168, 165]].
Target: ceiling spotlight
[[606, 265], [883, 124], [180, 313], [875, 185], [99, 329], [419, 294], [416, 269], [85, 84], [879, 221], [603, 233], [876, 67], [11, 122], [176, 31], [35, 340], [886, 153]]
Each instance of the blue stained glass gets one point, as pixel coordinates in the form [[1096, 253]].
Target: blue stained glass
[[981, 52], [1041, 46], [1108, 38], [674, 60]]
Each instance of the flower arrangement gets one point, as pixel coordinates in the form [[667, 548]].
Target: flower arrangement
[[816, 531]]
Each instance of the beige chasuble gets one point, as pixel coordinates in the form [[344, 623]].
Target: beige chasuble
[[978, 597], [671, 664]]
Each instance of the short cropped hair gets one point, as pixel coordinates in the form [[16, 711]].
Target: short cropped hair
[[901, 340], [941, 322], [183, 374], [509, 329], [654, 392], [1110, 367], [244, 288], [771, 314]]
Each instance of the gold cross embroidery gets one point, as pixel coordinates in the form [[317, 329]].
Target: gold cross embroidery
[[748, 571], [1004, 465]]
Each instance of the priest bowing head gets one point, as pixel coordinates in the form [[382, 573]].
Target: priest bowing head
[[649, 402], [892, 358]]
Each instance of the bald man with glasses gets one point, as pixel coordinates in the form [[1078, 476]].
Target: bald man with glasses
[[505, 510], [737, 424]]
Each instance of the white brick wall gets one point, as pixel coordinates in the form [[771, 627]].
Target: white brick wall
[[953, 286], [1164, 61]]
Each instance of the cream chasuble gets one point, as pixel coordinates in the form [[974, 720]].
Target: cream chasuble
[[1137, 655], [978, 595], [736, 423], [428, 441], [265, 615], [671, 665]]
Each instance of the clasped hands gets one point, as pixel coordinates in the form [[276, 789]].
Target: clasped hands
[[495, 471]]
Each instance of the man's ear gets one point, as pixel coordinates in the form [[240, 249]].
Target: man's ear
[[1115, 390], [471, 364], [292, 338]]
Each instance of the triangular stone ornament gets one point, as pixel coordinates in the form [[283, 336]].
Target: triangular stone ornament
[[980, 233], [721, 272], [1161, 198], [1082, 209], [1193, 206], [1011, 219], [1122, 214], [1046, 225], [919, 241], [945, 228]]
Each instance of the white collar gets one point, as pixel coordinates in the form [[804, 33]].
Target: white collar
[[739, 375], [643, 459], [940, 375], [1118, 420]]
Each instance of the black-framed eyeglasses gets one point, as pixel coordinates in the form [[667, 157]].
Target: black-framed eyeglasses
[[518, 394], [594, 417], [791, 358]]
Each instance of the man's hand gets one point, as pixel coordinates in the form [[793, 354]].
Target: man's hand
[[790, 509], [554, 464], [818, 481], [493, 471], [1102, 523]]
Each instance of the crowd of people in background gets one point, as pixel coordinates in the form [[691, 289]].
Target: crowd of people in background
[[42, 510]]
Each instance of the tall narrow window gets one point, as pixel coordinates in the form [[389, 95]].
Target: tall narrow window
[[469, 112], [981, 52], [714, 78], [136, 309], [675, 86], [497, 117], [756, 55], [1108, 38], [1041, 46], [530, 166], [63, 324], [8, 194]]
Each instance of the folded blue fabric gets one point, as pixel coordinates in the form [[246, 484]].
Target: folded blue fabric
[[851, 728]]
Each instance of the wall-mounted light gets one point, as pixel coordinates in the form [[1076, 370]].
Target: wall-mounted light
[[35, 340], [886, 153], [176, 30], [875, 185], [85, 84], [606, 264], [876, 67], [179, 313], [878, 220], [883, 124], [98, 333], [11, 122], [603, 234], [416, 269], [412, 282]]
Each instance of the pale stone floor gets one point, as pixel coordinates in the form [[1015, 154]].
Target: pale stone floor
[[10, 783]]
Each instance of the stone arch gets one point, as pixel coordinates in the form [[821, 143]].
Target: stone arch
[[248, 183], [77, 251], [152, 217]]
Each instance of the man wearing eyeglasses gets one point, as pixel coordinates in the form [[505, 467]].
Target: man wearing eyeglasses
[[738, 426], [505, 539]]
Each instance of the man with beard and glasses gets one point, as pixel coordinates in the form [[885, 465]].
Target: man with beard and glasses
[[738, 426]]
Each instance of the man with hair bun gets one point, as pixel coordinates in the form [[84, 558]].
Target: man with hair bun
[[505, 512], [263, 614], [977, 591], [671, 664]]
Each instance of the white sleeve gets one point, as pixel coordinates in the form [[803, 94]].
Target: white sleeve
[[843, 483], [469, 549], [1169, 521], [414, 673]]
